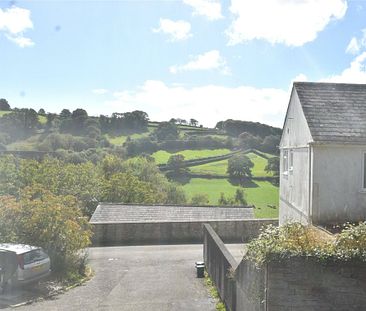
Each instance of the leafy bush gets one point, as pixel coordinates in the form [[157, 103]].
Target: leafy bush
[[52, 222], [200, 199], [292, 240]]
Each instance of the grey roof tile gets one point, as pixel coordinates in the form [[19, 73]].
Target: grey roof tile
[[335, 112], [121, 213]]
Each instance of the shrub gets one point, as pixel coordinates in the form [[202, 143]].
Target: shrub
[[200, 199], [53, 222], [275, 243]]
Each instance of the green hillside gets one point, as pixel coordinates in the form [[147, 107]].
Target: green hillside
[[162, 156]]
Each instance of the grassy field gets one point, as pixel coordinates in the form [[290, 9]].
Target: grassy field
[[213, 168], [220, 167], [42, 119], [119, 140], [259, 165], [3, 112], [162, 156], [260, 193]]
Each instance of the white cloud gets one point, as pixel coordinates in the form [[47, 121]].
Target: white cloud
[[208, 104], [300, 78], [211, 9], [211, 60], [177, 30], [100, 91], [14, 22], [357, 44], [20, 41], [353, 47], [290, 22], [355, 73]]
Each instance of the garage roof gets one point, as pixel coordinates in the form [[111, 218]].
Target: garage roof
[[123, 213]]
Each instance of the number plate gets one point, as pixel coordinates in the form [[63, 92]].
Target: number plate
[[37, 268]]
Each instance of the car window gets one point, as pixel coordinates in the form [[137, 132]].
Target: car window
[[33, 256]]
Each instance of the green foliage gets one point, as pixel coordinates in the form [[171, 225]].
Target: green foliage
[[176, 164], [220, 306], [19, 123], [273, 166], [166, 131], [236, 127], [44, 219], [297, 240], [4, 105], [162, 157], [239, 166], [126, 188], [237, 200], [200, 199]]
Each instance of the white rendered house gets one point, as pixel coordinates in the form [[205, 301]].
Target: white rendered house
[[323, 154]]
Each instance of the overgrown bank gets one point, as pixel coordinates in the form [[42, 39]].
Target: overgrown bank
[[297, 240]]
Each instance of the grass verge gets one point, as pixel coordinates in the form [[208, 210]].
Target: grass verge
[[220, 306]]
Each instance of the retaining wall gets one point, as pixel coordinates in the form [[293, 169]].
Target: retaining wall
[[294, 284], [231, 231]]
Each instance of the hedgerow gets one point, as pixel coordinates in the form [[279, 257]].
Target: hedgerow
[[296, 240]]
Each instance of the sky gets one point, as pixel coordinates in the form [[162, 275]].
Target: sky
[[210, 60]]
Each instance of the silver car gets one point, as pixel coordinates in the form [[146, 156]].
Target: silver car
[[33, 262]]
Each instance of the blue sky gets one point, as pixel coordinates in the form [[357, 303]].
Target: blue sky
[[203, 59]]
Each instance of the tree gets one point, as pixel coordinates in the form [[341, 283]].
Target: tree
[[240, 197], [200, 199], [193, 122], [239, 167], [65, 113], [4, 105], [53, 222], [270, 144], [176, 163], [237, 200], [166, 131], [126, 188], [249, 141], [273, 166], [41, 111]]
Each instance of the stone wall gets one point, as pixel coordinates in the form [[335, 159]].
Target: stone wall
[[230, 231], [294, 284]]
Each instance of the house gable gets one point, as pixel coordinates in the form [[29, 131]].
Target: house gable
[[296, 132]]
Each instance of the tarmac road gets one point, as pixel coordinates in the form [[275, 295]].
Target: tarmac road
[[139, 278]]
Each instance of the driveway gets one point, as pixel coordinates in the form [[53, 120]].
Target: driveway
[[145, 278]]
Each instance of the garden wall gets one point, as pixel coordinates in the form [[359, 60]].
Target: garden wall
[[231, 231], [296, 284]]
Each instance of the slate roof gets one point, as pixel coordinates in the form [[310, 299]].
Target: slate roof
[[120, 213], [335, 112]]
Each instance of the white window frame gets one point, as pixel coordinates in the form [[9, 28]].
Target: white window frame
[[291, 161], [285, 155]]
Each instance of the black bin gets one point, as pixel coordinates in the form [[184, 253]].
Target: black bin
[[200, 267]]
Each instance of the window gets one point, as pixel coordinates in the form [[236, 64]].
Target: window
[[285, 162], [291, 160]]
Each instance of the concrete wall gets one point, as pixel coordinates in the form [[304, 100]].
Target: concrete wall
[[295, 184], [250, 287], [220, 265], [294, 284], [300, 284], [175, 232], [338, 196]]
